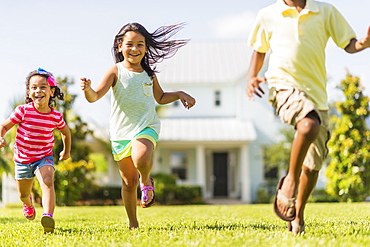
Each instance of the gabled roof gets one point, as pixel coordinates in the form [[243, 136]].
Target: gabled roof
[[207, 129], [206, 62]]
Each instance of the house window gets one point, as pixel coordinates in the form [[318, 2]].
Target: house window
[[176, 103], [217, 98], [178, 162]]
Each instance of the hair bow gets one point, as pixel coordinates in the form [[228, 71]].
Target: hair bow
[[51, 80]]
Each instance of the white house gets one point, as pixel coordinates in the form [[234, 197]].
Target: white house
[[217, 143]]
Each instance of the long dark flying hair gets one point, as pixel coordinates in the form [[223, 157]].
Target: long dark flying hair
[[159, 45], [57, 92]]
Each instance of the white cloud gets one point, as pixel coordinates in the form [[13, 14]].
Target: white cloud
[[234, 26]]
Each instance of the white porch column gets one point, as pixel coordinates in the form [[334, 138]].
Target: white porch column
[[9, 190], [245, 175], [156, 163], [201, 168]]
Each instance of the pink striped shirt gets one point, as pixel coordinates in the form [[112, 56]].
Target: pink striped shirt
[[34, 139]]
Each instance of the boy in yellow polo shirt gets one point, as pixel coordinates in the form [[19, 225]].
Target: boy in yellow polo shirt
[[296, 32]]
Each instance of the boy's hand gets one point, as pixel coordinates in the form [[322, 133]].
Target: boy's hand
[[85, 84], [187, 100], [64, 155], [2, 142], [365, 42], [253, 87]]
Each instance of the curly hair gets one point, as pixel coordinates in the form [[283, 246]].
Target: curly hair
[[158, 44], [57, 92]]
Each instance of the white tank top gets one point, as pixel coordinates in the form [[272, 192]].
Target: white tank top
[[132, 105]]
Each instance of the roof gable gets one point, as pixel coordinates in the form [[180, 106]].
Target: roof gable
[[206, 62], [207, 130]]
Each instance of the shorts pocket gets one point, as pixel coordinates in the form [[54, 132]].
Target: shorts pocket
[[148, 88]]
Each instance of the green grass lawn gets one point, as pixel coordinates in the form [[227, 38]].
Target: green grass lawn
[[204, 225]]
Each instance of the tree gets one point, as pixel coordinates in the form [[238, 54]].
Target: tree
[[349, 168], [276, 156]]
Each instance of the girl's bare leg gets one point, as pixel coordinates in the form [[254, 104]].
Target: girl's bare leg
[[130, 180], [24, 187], [45, 176], [142, 152]]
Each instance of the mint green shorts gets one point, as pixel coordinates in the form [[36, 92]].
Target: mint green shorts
[[122, 149]]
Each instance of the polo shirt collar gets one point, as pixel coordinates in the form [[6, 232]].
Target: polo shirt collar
[[311, 6]]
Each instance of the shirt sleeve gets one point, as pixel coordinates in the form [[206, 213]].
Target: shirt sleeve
[[258, 37], [17, 115], [61, 123], [339, 29]]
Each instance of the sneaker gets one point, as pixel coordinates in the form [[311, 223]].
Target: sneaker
[[48, 223], [29, 212]]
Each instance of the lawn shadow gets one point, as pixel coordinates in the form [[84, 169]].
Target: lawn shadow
[[61, 231], [217, 226]]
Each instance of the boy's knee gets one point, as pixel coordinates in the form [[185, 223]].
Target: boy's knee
[[309, 127]]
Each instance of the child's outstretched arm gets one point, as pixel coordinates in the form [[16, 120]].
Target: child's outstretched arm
[[253, 86], [359, 45], [66, 138], [108, 80], [4, 127], [167, 97]]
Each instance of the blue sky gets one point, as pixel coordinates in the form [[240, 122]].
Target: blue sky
[[74, 37]]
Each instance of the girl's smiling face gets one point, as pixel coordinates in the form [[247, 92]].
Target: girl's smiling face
[[40, 91], [133, 47]]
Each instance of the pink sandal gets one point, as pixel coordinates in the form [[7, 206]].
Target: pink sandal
[[144, 195], [29, 212]]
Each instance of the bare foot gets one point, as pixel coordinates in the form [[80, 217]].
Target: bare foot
[[134, 226], [297, 228]]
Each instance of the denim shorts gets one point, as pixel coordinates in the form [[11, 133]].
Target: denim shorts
[[28, 171]]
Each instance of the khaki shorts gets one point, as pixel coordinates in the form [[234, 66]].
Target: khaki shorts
[[292, 105]]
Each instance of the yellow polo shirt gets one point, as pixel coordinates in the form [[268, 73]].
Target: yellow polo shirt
[[297, 42]]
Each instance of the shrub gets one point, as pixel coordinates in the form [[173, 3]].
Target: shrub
[[188, 194], [168, 192], [263, 196], [72, 181], [102, 196], [165, 187], [266, 191], [320, 195]]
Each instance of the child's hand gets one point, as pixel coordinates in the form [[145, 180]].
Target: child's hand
[[253, 87], [64, 155], [2, 142], [187, 100], [85, 84]]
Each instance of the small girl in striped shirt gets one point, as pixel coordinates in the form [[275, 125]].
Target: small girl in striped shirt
[[33, 154]]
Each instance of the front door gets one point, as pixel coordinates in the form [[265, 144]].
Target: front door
[[220, 175]]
